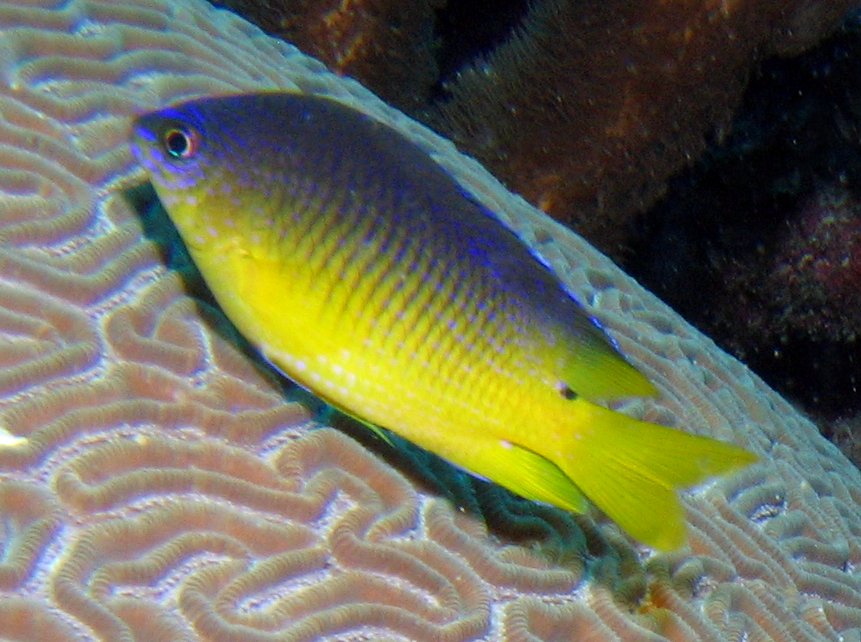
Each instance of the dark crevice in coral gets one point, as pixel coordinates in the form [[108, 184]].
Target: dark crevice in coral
[[766, 230], [466, 31]]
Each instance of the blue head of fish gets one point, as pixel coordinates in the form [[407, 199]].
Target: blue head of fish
[[207, 157], [237, 161]]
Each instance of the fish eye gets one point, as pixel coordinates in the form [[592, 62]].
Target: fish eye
[[180, 143]]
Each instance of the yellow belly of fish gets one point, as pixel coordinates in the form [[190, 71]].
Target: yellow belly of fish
[[420, 383]]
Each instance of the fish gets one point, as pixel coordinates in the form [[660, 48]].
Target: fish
[[362, 270]]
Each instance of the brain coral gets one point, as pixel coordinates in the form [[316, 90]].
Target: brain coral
[[157, 483]]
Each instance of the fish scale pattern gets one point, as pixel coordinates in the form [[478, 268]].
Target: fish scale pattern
[[158, 483]]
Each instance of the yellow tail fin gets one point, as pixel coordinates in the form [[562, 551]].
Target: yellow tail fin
[[632, 470]]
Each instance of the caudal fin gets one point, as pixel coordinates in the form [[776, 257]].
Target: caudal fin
[[632, 470]]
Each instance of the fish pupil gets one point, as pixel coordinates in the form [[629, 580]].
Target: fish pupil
[[178, 143]]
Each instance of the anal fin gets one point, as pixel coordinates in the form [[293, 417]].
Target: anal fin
[[523, 472]]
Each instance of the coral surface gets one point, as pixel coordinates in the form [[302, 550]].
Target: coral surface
[[159, 483]]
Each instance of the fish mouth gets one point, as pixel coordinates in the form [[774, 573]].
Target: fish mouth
[[145, 126], [144, 145]]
